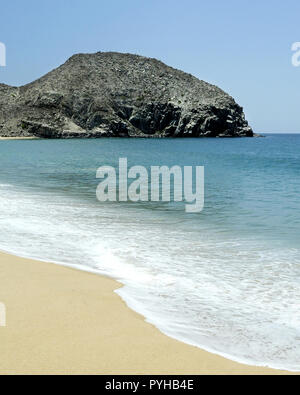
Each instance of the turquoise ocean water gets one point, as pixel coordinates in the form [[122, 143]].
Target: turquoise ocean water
[[226, 279]]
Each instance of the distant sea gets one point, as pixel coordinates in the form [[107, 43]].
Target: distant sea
[[226, 279]]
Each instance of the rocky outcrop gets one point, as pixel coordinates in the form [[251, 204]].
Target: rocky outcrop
[[119, 95]]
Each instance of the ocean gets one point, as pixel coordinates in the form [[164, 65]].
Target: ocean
[[226, 279]]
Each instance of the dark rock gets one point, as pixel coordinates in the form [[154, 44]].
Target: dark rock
[[119, 95]]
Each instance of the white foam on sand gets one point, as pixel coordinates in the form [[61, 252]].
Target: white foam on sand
[[234, 297]]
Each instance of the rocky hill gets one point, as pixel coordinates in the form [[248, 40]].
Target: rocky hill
[[119, 95]]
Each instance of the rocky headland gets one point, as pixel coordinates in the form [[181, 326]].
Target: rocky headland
[[119, 95]]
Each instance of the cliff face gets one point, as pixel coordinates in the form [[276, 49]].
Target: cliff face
[[119, 95]]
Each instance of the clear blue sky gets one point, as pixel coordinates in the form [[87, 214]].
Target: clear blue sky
[[242, 46]]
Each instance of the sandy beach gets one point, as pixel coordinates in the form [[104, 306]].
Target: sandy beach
[[64, 321]]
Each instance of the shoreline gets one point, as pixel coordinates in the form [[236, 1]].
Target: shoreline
[[62, 320], [19, 138]]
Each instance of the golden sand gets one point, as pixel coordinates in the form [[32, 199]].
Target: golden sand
[[64, 321]]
